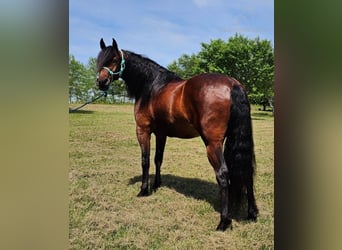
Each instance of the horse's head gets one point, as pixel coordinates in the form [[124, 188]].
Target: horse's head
[[110, 64]]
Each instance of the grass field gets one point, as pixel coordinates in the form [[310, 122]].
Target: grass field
[[104, 179]]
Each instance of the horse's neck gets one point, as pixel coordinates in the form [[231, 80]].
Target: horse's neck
[[133, 70], [136, 76], [143, 75]]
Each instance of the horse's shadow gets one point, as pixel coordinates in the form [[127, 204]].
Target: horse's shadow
[[190, 187], [197, 189]]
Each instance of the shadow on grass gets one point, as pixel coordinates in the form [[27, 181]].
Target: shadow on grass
[[190, 187], [72, 111], [197, 189]]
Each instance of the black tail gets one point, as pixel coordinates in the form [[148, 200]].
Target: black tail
[[239, 151]]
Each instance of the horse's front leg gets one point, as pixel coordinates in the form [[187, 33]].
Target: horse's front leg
[[144, 137], [158, 159]]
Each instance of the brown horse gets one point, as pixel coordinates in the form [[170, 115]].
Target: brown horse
[[212, 106]]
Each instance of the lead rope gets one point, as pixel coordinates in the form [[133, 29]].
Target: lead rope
[[104, 93]]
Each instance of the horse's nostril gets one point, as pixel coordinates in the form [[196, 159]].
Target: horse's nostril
[[103, 84]]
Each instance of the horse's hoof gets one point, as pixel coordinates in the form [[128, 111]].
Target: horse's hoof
[[156, 186], [143, 193], [224, 224], [252, 215]]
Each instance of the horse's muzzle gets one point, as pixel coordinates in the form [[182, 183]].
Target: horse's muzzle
[[103, 84]]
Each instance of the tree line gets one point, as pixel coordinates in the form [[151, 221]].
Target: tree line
[[250, 61]]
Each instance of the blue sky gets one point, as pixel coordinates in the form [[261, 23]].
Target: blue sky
[[164, 30]]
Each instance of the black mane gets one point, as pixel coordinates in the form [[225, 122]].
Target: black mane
[[144, 77]]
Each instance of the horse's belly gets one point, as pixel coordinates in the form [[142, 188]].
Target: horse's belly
[[185, 133], [180, 129]]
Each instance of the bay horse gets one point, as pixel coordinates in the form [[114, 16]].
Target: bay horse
[[212, 106]]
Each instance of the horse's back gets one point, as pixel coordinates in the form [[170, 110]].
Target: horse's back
[[210, 81]]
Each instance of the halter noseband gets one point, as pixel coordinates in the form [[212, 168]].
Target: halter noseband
[[122, 67]]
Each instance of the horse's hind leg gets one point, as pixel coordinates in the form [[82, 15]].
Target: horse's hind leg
[[216, 159], [158, 159]]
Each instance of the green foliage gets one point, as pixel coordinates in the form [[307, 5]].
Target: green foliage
[[185, 66], [251, 61], [81, 80]]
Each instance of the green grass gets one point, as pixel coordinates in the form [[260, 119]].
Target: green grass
[[104, 178]]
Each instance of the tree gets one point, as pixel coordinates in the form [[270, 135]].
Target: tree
[[91, 69], [186, 66], [77, 80], [251, 61]]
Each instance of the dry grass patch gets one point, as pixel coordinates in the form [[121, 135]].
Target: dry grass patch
[[105, 178]]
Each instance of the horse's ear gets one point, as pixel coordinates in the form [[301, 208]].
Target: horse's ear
[[115, 45], [102, 44]]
